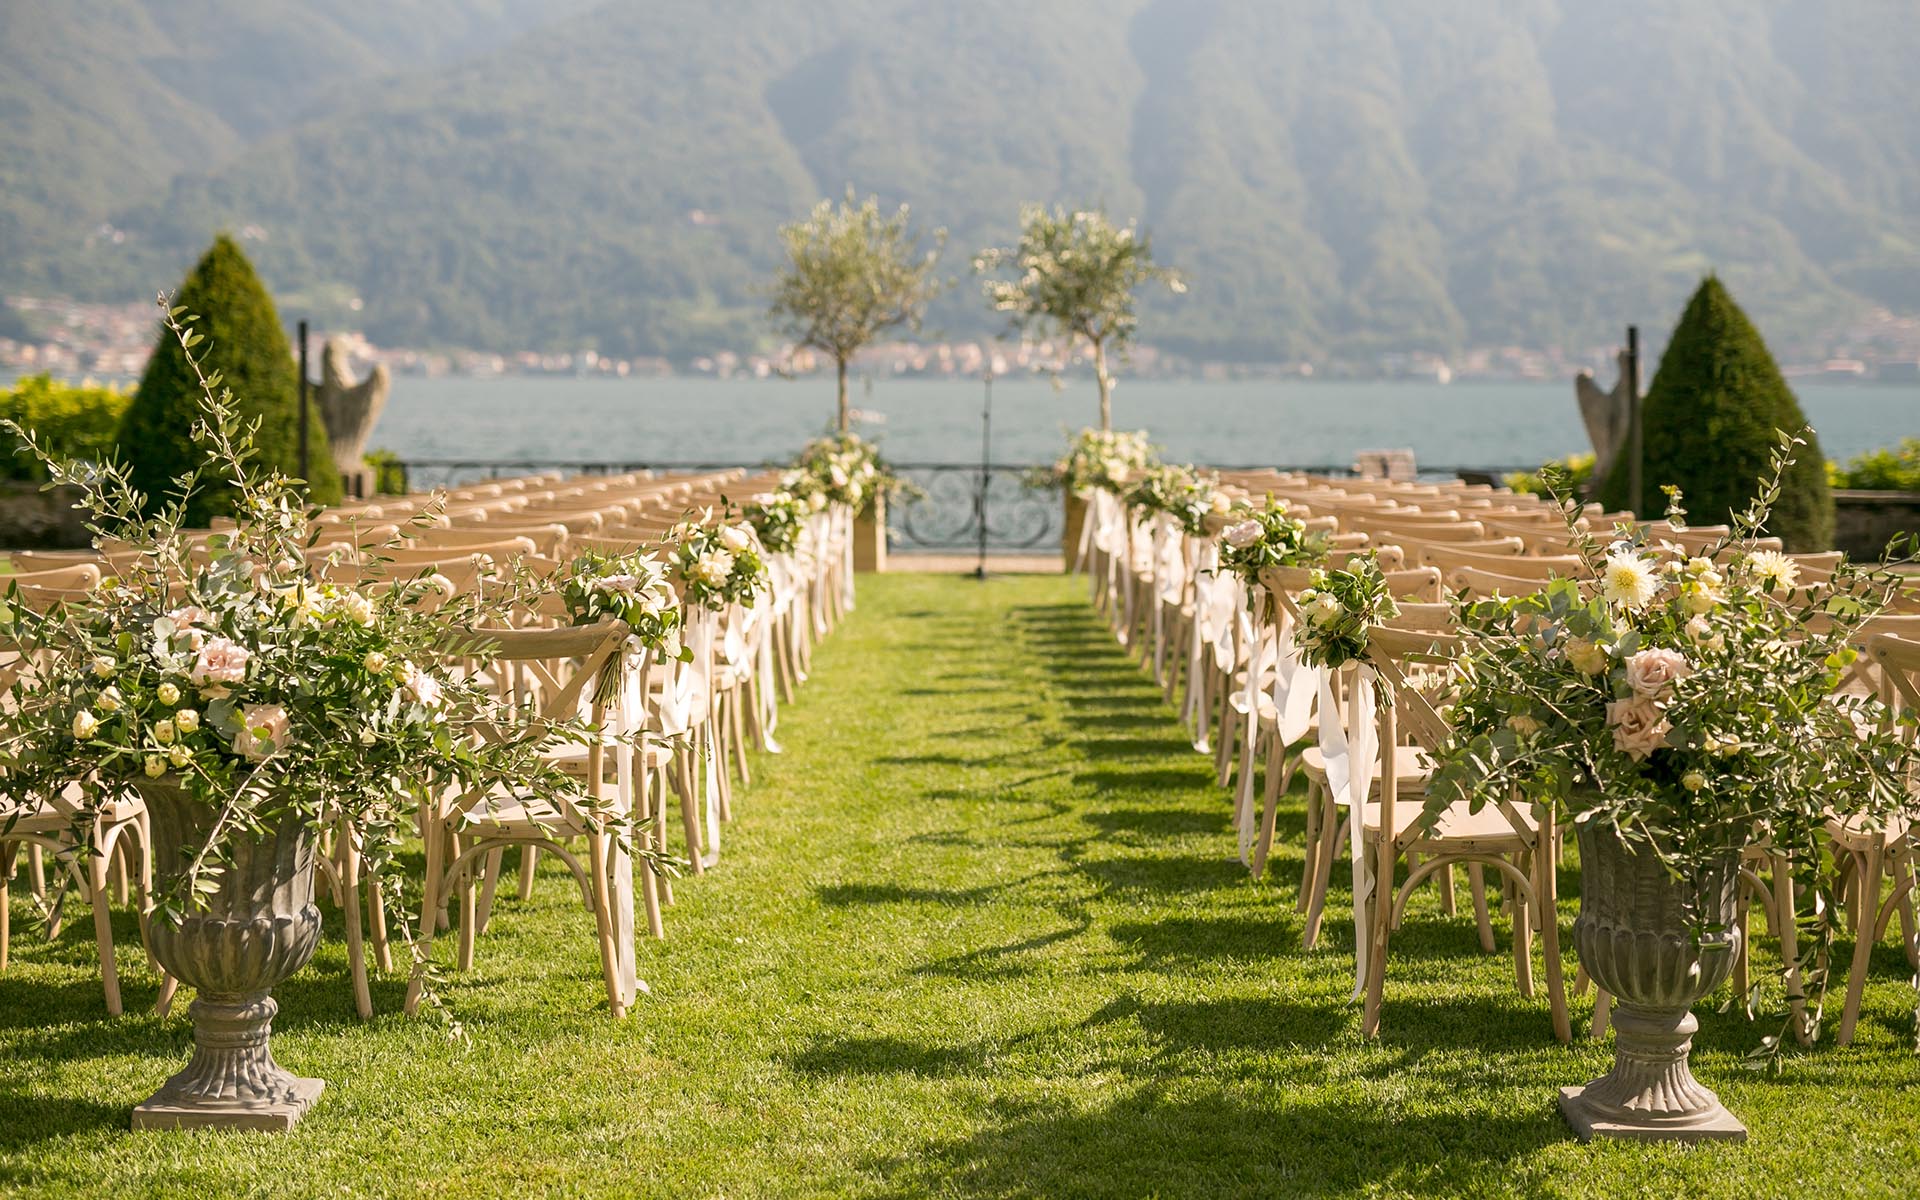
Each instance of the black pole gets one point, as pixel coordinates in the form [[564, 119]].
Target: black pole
[[986, 473], [301, 470], [1635, 455]]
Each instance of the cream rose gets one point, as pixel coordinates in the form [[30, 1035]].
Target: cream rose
[[1587, 657], [85, 725], [1639, 727], [735, 538], [713, 567], [357, 608], [186, 720], [1651, 673], [169, 694]]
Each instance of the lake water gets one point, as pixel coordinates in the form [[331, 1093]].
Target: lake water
[[928, 420]]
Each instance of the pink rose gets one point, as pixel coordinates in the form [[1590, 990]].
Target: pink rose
[[264, 730], [1651, 673], [1639, 727], [221, 662]]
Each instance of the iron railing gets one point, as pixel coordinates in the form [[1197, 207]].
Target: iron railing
[[990, 509]]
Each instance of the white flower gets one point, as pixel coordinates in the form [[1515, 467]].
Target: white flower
[[421, 687], [1774, 569], [85, 725], [375, 662], [1693, 781], [169, 694], [155, 766], [179, 756], [163, 732], [357, 608], [817, 501], [713, 567], [1699, 566], [368, 737], [1699, 598], [1587, 657], [108, 701], [1705, 635], [104, 665], [1628, 580], [736, 538], [186, 720], [1244, 534], [1325, 607], [837, 475], [264, 729], [1220, 503]]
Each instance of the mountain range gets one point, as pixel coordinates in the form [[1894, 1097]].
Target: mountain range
[[1334, 177]]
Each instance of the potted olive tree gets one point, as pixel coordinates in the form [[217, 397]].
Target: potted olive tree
[[1076, 275], [1679, 709], [251, 706], [851, 274]]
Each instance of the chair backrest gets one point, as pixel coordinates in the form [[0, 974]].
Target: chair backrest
[[34, 561], [79, 575], [1393, 526], [1897, 661], [406, 556], [1424, 552]]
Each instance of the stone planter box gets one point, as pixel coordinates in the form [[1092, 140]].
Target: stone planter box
[[31, 519], [1864, 521]]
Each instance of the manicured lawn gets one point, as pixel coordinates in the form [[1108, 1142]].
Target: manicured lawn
[[979, 931]]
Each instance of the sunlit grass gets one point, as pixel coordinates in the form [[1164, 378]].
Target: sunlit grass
[[979, 931]]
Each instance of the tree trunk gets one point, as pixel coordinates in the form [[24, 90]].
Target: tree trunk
[[845, 421], [1106, 385]]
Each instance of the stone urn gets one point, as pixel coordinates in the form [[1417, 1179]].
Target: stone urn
[[258, 928], [1636, 939], [1075, 514]]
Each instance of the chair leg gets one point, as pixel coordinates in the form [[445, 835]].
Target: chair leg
[[1866, 913], [350, 914], [1449, 903], [429, 917], [1330, 830], [1546, 903], [690, 814], [1787, 929], [740, 736], [100, 896], [1602, 1010], [603, 923], [1742, 960], [1270, 805], [36, 872], [469, 908], [1310, 852], [7, 852], [377, 920], [1477, 883], [1522, 943], [660, 833], [490, 884], [1223, 752], [529, 860]]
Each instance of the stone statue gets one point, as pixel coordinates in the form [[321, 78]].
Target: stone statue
[[349, 410], [1607, 414]]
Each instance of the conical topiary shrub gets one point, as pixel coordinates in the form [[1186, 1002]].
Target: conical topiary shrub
[[244, 341], [1710, 424]]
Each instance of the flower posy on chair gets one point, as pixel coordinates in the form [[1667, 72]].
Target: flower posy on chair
[[252, 708], [1682, 709]]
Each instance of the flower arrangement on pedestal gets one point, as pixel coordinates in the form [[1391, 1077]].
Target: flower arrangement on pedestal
[[255, 704], [1102, 459], [1682, 709]]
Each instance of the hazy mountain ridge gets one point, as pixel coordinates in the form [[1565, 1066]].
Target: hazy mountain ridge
[[1336, 176]]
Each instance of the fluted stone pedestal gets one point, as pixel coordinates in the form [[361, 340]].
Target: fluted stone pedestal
[[258, 927], [1636, 939]]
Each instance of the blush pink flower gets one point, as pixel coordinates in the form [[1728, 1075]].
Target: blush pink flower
[[1639, 727], [221, 663], [264, 729], [1651, 673]]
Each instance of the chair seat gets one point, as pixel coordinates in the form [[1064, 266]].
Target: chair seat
[[1414, 764], [46, 817], [1853, 832], [502, 815], [1458, 828]]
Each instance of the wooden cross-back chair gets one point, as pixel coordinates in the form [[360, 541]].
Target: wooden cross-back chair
[[1886, 851], [114, 847], [1514, 838], [459, 829]]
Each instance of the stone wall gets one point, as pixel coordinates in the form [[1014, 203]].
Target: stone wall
[[31, 519], [1864, 521]]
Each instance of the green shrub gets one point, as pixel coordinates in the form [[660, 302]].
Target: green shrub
[[80, 423], [389, 473], [1577, 470], [1711, 422], [245, 343], [1888, 469]]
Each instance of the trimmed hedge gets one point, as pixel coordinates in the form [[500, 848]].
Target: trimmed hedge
[[81, 423], [245, 342], [1710, 424]]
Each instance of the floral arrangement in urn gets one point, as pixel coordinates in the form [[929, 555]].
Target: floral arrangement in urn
[[253, 703], [1682, 708], [844, 468]]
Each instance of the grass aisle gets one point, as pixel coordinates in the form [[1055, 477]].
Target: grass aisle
[[979, 931]]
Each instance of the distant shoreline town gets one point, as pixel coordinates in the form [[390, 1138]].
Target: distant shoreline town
[[72, 339]]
